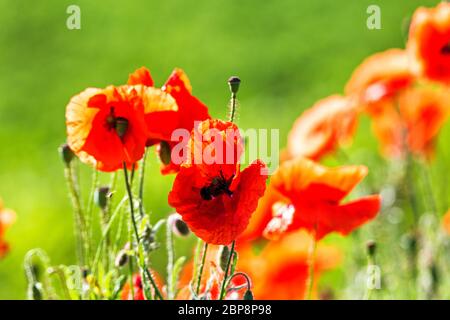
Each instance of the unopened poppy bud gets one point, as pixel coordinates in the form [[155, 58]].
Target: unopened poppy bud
[[35, 291], [121, 127], [179, 227], [248, 295], [371, 248], [121, 258], [101, 197], [164, 152], [234, 83], [224, 256], [66, 153]]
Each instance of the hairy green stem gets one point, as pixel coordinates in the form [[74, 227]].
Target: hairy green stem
[[202, 265], [225, 276]]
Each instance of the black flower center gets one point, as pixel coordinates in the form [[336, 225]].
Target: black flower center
[[446, 49], [218, 186]]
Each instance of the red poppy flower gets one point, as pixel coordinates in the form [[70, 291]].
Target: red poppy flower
[[315, 195], [322, 128], [429, 42], [106, 127], [281, 270], [7, 218], [412, 121], [216, 199], [379, 77], [190, 110]]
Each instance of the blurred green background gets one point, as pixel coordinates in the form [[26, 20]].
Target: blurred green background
[[288, 53]]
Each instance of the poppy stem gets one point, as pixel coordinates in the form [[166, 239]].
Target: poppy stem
[[141, 184], [202, 265], [170, 260], [80, 225], [143, 265], [225, 276], [233, 83], [312, 261]]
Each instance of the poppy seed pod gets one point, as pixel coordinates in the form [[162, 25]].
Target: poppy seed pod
[[234, 83], [101, 197], [179, 227], [66, 153], [121, 127]]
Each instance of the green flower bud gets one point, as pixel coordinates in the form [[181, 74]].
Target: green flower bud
[[101, 197], [371, 248], [248, 295], [121, 258], [224, 256], [66, 153], [35, 291]]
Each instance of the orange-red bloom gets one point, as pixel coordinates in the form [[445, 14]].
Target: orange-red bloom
[[412, 121], [7, 218], [216, 199], [446, 222], [190, 109], [380, 77], [107, 127], [312, 197], [429, 42], [320, 129], [281, 270]]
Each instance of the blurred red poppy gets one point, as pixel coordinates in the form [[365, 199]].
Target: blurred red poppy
[[216, 199], [322, 128], [429, 42], [281, 270], [312, 199], [380, 77], [412, 121], [446, 222], [107, 127], [7, 218], [190, 109]]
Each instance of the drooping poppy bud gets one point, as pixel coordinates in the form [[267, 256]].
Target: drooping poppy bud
[[121, 258], [66, 153], [179, 227], [248, 295], [101, 197], [371, 248]]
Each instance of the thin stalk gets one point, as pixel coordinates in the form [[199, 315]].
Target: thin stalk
[[233, 106], [170, 260], [143, 267], [202, 265], [312, 261], [80, 224], [141, 185], [225, 276]]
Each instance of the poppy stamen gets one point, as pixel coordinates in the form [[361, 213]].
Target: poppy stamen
[[218, 186]]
